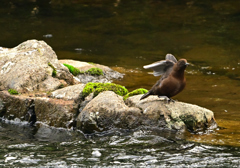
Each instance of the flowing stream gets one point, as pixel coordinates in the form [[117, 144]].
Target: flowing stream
[[126, 35]]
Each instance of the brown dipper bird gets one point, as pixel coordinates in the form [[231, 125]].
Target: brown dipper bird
[[172, 80]]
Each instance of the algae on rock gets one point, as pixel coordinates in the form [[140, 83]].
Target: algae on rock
[[96, 88], [135, 92], [94, 71], [91, 71], [72, 69], [13, 92], [54, 72]]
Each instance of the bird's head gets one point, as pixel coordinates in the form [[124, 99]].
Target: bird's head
[[182, 64]]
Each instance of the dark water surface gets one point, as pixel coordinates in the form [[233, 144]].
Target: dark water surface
[[127, 35]]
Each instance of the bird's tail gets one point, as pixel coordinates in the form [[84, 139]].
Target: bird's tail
[[145, 95]]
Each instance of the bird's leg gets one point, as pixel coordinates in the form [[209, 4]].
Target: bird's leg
[[171, 100], [164, 97], [167, 98]]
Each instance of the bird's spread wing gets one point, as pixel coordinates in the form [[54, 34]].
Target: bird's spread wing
[[171, 57], [160, 67]]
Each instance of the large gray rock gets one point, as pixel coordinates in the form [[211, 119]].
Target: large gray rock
[[175, 115], [108, 110], [26, 68], [109, 74]]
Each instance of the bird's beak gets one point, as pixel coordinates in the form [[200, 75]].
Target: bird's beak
[[187, 64]]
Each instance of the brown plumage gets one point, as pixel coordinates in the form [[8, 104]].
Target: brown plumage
[[172, 80]]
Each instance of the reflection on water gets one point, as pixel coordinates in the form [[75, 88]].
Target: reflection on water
[[127, 35]]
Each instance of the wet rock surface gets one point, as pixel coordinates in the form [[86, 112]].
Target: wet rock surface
[[54, 112], [14, 106]]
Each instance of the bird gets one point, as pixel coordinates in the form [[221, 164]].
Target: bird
[[172, 79]]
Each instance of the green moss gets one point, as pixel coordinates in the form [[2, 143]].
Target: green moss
[[91, 63], [96, 88], [135, 92], [118, 89], [72, 69], [89, 88], [54, 72], [13, 92], [94, 71]]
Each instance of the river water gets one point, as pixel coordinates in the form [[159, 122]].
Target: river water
[[126, 35]]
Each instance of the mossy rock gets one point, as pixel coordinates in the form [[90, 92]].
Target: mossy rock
[[72, 69], [97, 88], [94, 71], [13, 92], [92, 63], [135, 92], [89, 88], [54, 72]]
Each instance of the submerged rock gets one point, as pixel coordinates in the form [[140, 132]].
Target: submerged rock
[[30, 66]]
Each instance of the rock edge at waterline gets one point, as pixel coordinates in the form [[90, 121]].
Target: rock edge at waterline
[[108, 110], [26, 69]]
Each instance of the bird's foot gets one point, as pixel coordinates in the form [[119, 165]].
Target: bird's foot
[[171, 100]]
